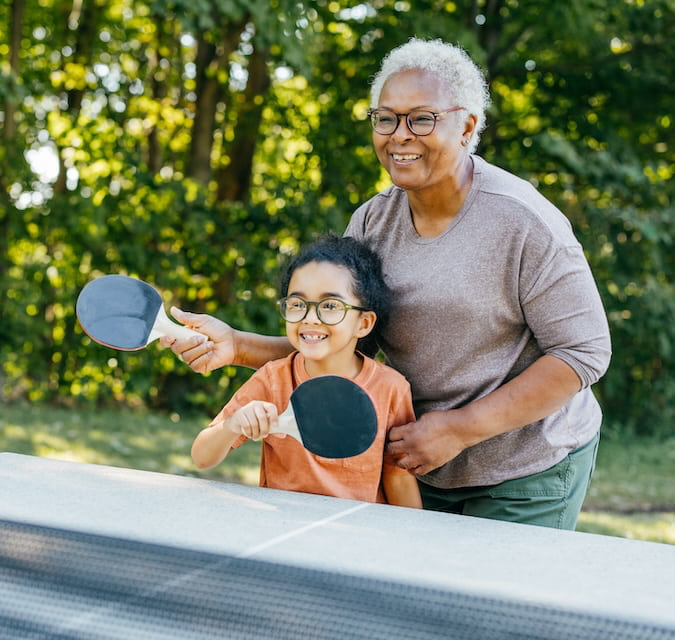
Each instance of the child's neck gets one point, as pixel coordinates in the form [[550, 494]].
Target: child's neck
[[349, 368]]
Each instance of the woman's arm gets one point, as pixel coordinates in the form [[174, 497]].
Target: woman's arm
[[439, 436], [223, 345]]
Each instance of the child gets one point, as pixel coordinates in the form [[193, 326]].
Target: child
[[334, 296]]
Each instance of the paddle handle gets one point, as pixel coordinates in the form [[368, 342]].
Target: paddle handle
[[287, 424], [164, 326]]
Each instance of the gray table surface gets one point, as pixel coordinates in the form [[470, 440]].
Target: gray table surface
[[582, 572]]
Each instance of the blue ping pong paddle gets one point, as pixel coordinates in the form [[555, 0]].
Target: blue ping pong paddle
[[331, 416], [125, 313]]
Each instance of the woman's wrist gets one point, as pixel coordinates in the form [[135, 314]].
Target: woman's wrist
[[237, 351], [469, 425], [246, 349], [253, 350]]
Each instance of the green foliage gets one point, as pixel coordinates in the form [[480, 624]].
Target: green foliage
[[198, 143]]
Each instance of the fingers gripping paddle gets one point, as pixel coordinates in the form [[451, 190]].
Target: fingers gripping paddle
[[125, 313], [331, 416]]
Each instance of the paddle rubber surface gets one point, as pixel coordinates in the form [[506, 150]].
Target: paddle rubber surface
[[335, 417], [118, 311]]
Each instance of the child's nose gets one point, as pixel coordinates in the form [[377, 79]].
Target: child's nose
[[313, 314]]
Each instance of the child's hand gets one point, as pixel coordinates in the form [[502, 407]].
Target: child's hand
[[255, 420]]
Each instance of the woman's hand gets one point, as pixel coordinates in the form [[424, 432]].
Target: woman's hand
[[223, 345], [425, 445], [217, 349]]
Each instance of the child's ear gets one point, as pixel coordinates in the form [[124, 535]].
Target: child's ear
[[367, 320]]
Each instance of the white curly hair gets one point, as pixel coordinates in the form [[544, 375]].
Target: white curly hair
[[451, 64]]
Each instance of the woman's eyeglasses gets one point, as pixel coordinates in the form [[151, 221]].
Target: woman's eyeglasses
[[420, 121], [328, 310]]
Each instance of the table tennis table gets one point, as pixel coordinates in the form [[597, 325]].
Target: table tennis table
[[93, 551]]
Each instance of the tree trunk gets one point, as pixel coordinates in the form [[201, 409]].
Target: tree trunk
[[85, 26], [158, 84], [16, 27], [234, 180], [199, 165], [210, 59]]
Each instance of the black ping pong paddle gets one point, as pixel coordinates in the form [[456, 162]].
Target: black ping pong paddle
[[331, 416], [125, 313]]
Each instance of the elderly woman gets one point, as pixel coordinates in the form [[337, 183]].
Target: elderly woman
[[497, 321]]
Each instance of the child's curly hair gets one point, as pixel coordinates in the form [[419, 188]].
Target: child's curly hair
[[368, 283]]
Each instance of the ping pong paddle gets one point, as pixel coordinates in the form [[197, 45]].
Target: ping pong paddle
[[331, 416], [125, 313]]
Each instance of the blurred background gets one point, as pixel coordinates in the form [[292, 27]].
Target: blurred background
[[197, 143]]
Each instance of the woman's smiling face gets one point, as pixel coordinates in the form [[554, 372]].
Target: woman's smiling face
[[416, 163]]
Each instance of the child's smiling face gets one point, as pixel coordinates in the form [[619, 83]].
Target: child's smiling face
[[327, 348]]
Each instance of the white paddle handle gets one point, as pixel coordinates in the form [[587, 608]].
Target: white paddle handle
[[165, 327], [287, 424]]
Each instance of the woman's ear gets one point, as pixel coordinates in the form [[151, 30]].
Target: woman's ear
[[367, 320], [469, 126]]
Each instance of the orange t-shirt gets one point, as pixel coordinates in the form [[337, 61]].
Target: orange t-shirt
[[286, 464]]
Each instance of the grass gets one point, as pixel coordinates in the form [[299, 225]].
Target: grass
[[632, 494], [138, 440], [633, 490]]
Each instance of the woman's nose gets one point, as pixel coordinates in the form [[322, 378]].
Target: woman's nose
[[402, 131]]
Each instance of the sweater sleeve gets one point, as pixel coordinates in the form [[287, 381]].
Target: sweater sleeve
[[563, 309]]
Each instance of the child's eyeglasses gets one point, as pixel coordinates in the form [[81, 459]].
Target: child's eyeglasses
[[328, 310]]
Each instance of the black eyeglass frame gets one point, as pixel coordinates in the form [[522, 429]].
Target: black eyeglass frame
[[436, 115], [316, 304]]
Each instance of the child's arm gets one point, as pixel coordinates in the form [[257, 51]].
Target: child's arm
[[401, 489], [253, 420]]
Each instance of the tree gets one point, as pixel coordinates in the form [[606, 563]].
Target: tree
[[200, 142]]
